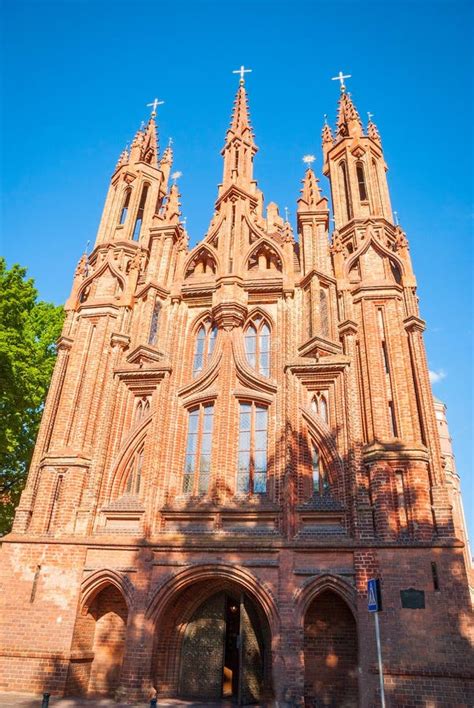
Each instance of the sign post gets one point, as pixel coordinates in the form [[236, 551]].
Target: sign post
[[374, 605]]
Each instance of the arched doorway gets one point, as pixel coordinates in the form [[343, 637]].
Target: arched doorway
[[330, 652], [98, 645], [214, 644]]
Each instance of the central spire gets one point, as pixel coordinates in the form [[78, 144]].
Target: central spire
[[239, 148]]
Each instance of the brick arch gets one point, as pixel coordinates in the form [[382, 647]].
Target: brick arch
[[381, 250], [321, 434], [129, 448], [106, 265], [331, 651], [171, 586], [323, 583], [99, 580], [177, 599], [271, 245]]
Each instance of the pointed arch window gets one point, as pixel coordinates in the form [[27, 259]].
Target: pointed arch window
[[134, 474], [142, 408], [319, 406], [324, 311], [197, 467], [344, 183], [140, 212], [205, 341], [257, 346], [253, 442], [361, 182], [319, 478], [126, 203], [155, 321]]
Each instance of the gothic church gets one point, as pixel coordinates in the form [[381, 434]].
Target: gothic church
[[236, 438]]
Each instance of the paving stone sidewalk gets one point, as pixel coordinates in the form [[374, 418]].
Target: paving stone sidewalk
[[23, 700]]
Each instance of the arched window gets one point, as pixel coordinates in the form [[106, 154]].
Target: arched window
[[257, 346], [140, 212], [319, 479], [345, 191], [361, 182], [323, 312], [319, 406], [155, 320], [197, 467], [377, 188], [142, 408], [252, 463], [205, 341], [134, 474], [126, 202]]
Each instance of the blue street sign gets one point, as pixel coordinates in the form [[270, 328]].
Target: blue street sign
[[374, 597]]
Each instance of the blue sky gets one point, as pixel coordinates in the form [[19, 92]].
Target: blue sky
[[77, 76]]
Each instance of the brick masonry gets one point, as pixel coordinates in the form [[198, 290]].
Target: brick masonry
[[111, 555]]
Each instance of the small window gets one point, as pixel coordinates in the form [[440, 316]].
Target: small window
[[361, 182], [252, 462], [324, 311], [141, 210], [134, 474], [205, 341], [257, 346], [320, 484], [124, 210], [155, 320], [197, 467], [345, 191]]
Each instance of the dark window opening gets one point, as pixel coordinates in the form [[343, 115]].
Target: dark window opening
[[140, 212], [126, 202], [361, 182]]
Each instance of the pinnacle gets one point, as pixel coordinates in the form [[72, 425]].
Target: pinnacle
[[373, 132], [348, 119], [310, 193], [240, 121]]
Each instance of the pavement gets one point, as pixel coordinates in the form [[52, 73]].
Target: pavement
[[24, 700]]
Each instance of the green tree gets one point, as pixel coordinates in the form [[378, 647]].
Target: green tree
[[29, 329]]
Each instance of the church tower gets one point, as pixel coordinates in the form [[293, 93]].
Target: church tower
[[237, 436]]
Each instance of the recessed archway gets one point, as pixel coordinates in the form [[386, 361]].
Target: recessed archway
[[330, 652], [213, 642], [98, 645]]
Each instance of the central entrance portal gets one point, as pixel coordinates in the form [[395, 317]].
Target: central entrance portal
[[223, 651]]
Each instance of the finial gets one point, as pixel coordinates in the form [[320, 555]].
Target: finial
[[142, 125], [395, 214], [242, 71], [326, 119], [175, 176], [170, 142], [370, 116], [185, 221], [308, 160], [86, 250], [340, 77], [154, 104], [286, 213]]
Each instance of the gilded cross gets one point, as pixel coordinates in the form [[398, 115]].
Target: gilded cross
[[154, 104], [242, 71], [340, 77]]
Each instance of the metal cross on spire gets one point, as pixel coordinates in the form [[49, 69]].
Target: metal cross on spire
[[370, 116], [242, 71], [340, 77], [154, 104]]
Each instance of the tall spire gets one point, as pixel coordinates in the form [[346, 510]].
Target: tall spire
[[150, 143], [239, 148], [349, 123]]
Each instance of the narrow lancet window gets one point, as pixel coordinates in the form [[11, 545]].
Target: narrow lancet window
[[205, 342], [257, 346], [323, 312], [134, 474], [197, 468], [345, 191], [155, 321], [140, 212], [126, 202], [361, 182], [252, 462], [319, 479]]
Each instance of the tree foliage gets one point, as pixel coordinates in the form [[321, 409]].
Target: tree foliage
[[29, 329]]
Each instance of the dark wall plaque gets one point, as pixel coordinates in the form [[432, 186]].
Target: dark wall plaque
[[413, 599]]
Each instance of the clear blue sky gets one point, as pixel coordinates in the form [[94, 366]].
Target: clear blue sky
[[77, 76]]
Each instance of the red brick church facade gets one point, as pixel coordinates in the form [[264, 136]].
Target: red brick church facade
[[236, 437]]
